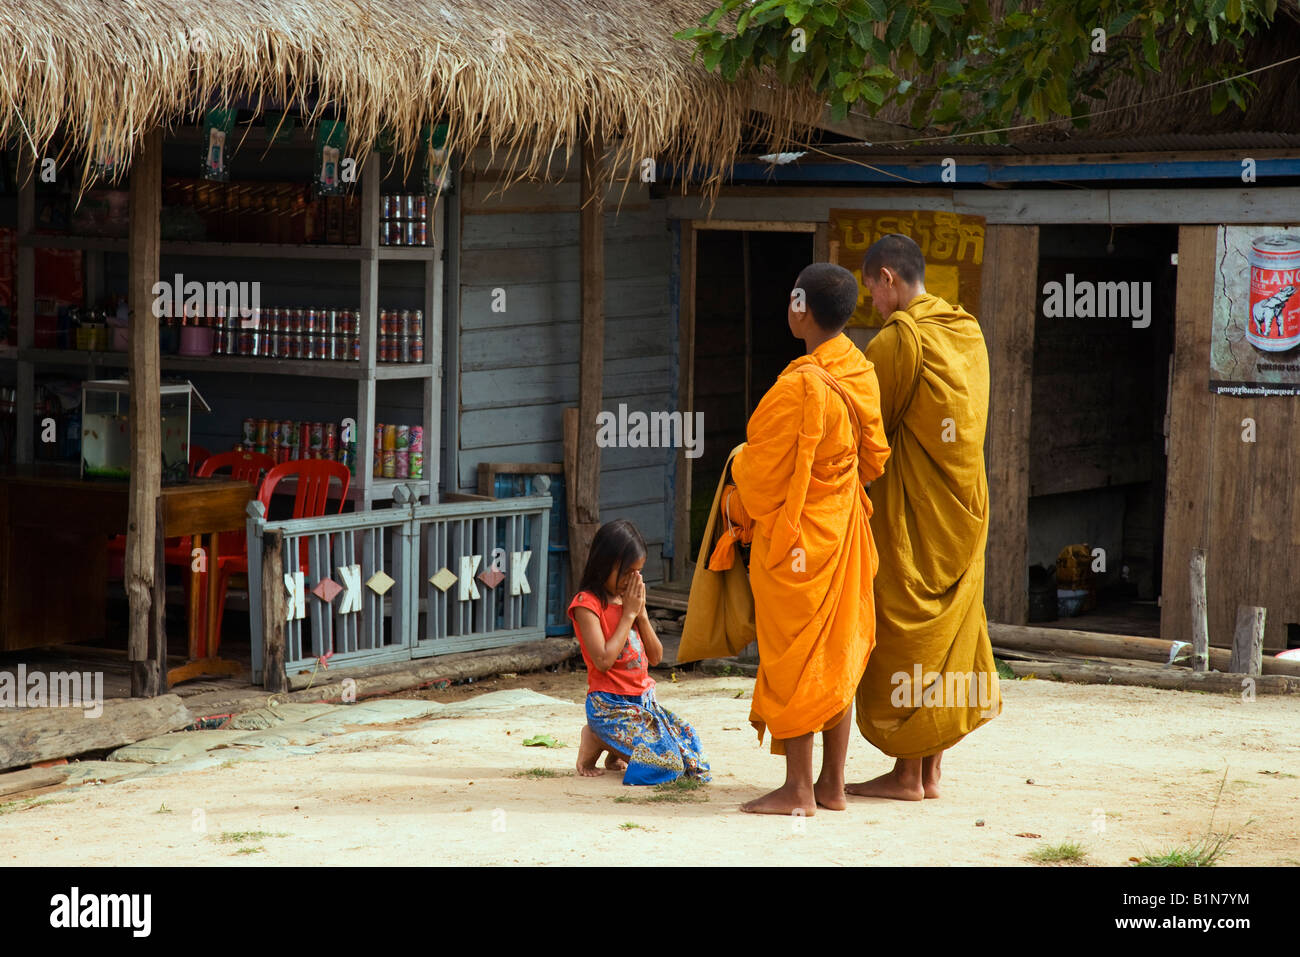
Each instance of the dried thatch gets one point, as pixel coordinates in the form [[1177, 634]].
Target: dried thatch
[[514, 75]]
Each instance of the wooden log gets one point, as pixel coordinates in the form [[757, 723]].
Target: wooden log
[[43, 734], [145, 203], [663, 598], [273, 611], [1029, 638], [1200, 616], [1153, 676], [31, 779], [1248, 641], [521, 658]]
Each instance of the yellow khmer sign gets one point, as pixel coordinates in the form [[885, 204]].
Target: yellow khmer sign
[[953, 246]]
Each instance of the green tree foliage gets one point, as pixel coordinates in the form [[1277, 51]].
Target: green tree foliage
[[960, 67]]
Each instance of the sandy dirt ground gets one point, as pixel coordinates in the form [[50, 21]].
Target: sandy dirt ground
[[1122, 771]]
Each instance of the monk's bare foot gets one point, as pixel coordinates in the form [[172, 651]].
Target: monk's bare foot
[[589, 749], [614, 761], [887, 786], [930, 775], [784, 800], [830, 794]]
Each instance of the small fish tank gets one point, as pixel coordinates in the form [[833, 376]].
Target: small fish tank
[[106, 428]]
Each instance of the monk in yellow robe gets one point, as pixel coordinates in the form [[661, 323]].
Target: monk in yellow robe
[[931, 679], [812, 443]]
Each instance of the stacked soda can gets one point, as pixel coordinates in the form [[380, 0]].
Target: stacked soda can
[[404, 219], [401, 336], [399, 451], [287, 441], [299, 333]]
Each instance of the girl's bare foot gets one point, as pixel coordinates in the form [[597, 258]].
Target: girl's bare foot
[[589, 749], [784, 800], [615, 761]]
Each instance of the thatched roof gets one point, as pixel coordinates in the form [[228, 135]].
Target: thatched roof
[[513, 75]]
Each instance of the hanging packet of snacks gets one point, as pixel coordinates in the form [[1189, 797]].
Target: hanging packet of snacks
[[437, 160], [331, 138], [279, 126], [217, 126]]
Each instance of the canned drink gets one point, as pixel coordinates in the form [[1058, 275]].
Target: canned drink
[[311, 321], [347, 322], [403, 323], [388, 463], [416, 326], [283, 453], [263, 432], [421, 206], [409, 233], [248, 434], [383, 322], [394, 232], [382, 349], [421, 233], [417, 348], [377, 470], [246, 447], [1273, 324], [388, 205], [331, 436], [379, 436], [401, 464], [293, 345], [356, 348], [417, 464], [417, 438], [320, 346], [403, 349], [274, 434], [403, 438], [390, 438], [316, 436], [331, 325], [304, 439], [297, 317], [262, 449], [245, 342]]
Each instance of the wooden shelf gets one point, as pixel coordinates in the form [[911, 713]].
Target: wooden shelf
[[230, 250], [318, 368], [416, 253]]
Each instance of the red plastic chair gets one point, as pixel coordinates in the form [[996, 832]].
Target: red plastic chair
[[311, 499], [176, 551]]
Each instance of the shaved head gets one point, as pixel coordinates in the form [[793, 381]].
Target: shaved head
[[900, 254]]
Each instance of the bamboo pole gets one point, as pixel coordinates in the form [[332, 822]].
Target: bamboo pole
[[273, 611], [1200, 617], [147, 667]]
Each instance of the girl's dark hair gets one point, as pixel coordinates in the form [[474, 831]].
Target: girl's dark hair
[[617, 544]]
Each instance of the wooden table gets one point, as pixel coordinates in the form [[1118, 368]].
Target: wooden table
[[54, 532]]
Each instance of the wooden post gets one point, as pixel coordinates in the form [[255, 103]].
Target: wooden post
[[1010, 282], [591, 359], [147, 641], [25, 316], [1200, 616], [1248, 641], [682, 557], [273, 611]]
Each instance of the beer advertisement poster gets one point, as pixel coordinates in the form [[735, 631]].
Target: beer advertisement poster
[[1255, 346], [953, 246]]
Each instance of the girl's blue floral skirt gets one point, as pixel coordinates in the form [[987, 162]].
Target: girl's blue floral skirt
[[660, 746]]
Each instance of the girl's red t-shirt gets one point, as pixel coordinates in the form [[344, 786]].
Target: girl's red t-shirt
[[630, 674]]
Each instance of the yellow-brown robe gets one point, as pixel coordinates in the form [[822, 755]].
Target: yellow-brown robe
[[800, 476], [930, 525]]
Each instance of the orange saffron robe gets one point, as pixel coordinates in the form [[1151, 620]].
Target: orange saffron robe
[[800, 477]]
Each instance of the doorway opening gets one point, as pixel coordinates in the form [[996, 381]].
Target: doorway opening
[[1103, 342], [743, 280]]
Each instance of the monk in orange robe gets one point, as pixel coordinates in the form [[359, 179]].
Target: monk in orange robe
[[932, 678], [812, 443]]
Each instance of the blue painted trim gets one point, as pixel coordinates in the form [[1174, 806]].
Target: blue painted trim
[[976, 173]]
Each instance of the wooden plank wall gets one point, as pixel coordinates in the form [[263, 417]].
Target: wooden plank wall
[[1010, 292], [519, 368], [1234, 499]]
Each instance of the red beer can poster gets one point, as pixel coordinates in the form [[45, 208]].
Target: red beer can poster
[[1255, 337]]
